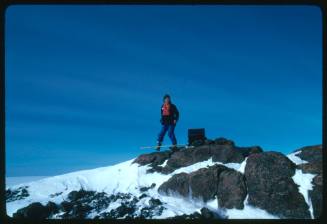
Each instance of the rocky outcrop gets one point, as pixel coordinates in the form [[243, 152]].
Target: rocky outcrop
[[232, 189], [220, 150], [316, 195], [36, 211], [246, 151], [18, 194], [266, 179], [313, 156], [204, 213], [80, 204], [271, 187], [207, 183], [155, 158]]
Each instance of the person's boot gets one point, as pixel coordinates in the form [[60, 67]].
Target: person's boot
[[158, 146], [174, 148]]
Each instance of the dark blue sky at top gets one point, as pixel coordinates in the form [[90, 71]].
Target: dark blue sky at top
[[84, 84]]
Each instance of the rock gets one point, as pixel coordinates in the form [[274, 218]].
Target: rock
[[155, 158], [311, 154], [208, 214], [226, 154], [246, 151], [194, 215], [201, 184], [17, 194], [142, 189], [314, 168], [81, 194], [209, 142], [205, 214], [271, 187], [224, 141], [154, 202], [52, 208], [206, 183], [66, 206], [178, 183], [33, 211], [197, 143], [143, 196], [231, 189], [316, 195], [187, 157], [317, 200]]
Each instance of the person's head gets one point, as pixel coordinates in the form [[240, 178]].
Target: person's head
[[166, 98]]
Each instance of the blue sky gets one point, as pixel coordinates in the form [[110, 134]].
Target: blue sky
[[84, 84]]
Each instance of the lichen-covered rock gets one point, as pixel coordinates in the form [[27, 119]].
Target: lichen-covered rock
[[271, 187], [207, 183], [316, 195], [246, 151], [155, 158], [311, 154], [36, 211], [231, 189]]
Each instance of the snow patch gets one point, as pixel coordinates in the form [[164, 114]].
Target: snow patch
[[295, 159], [304, 182], [128, 177]]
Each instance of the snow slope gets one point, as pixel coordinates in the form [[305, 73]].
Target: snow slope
[[128, 177]]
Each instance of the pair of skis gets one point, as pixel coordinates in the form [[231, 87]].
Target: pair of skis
[[163, 146]]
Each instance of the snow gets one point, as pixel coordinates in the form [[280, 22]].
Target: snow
[[12, 181], [304, 181], [295, 159], [129, 177], [126, 177]]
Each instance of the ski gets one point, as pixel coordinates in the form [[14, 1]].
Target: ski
[[162, 146]]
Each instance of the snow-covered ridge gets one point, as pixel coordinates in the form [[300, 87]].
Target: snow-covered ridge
[[126, 177], [130, 178]]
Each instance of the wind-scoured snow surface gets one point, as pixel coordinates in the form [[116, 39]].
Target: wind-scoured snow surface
[[12, 181], [129, 177]]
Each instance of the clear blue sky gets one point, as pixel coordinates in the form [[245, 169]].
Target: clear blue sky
[[84, 84]]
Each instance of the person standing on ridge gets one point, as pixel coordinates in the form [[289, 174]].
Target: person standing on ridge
[[169, 118]]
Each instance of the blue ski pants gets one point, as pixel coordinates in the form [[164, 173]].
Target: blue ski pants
[[170, 128]]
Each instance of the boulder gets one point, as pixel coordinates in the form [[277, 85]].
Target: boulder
[[224, 141], [231, 189], [179, 183], [226, 154], [155, 158], [207, 183], [17, 194], [201, 184], [246, 151], [314, 165], [205, 213], [204, 182], [187, 157], [314, 168], [37, 211], [208, 214], [311, 154], [316, 195], [271, 187]]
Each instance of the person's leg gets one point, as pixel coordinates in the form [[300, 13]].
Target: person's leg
[[171, 134], [162, 133]]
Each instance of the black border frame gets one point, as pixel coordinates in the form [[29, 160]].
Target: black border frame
[[6, 3]]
